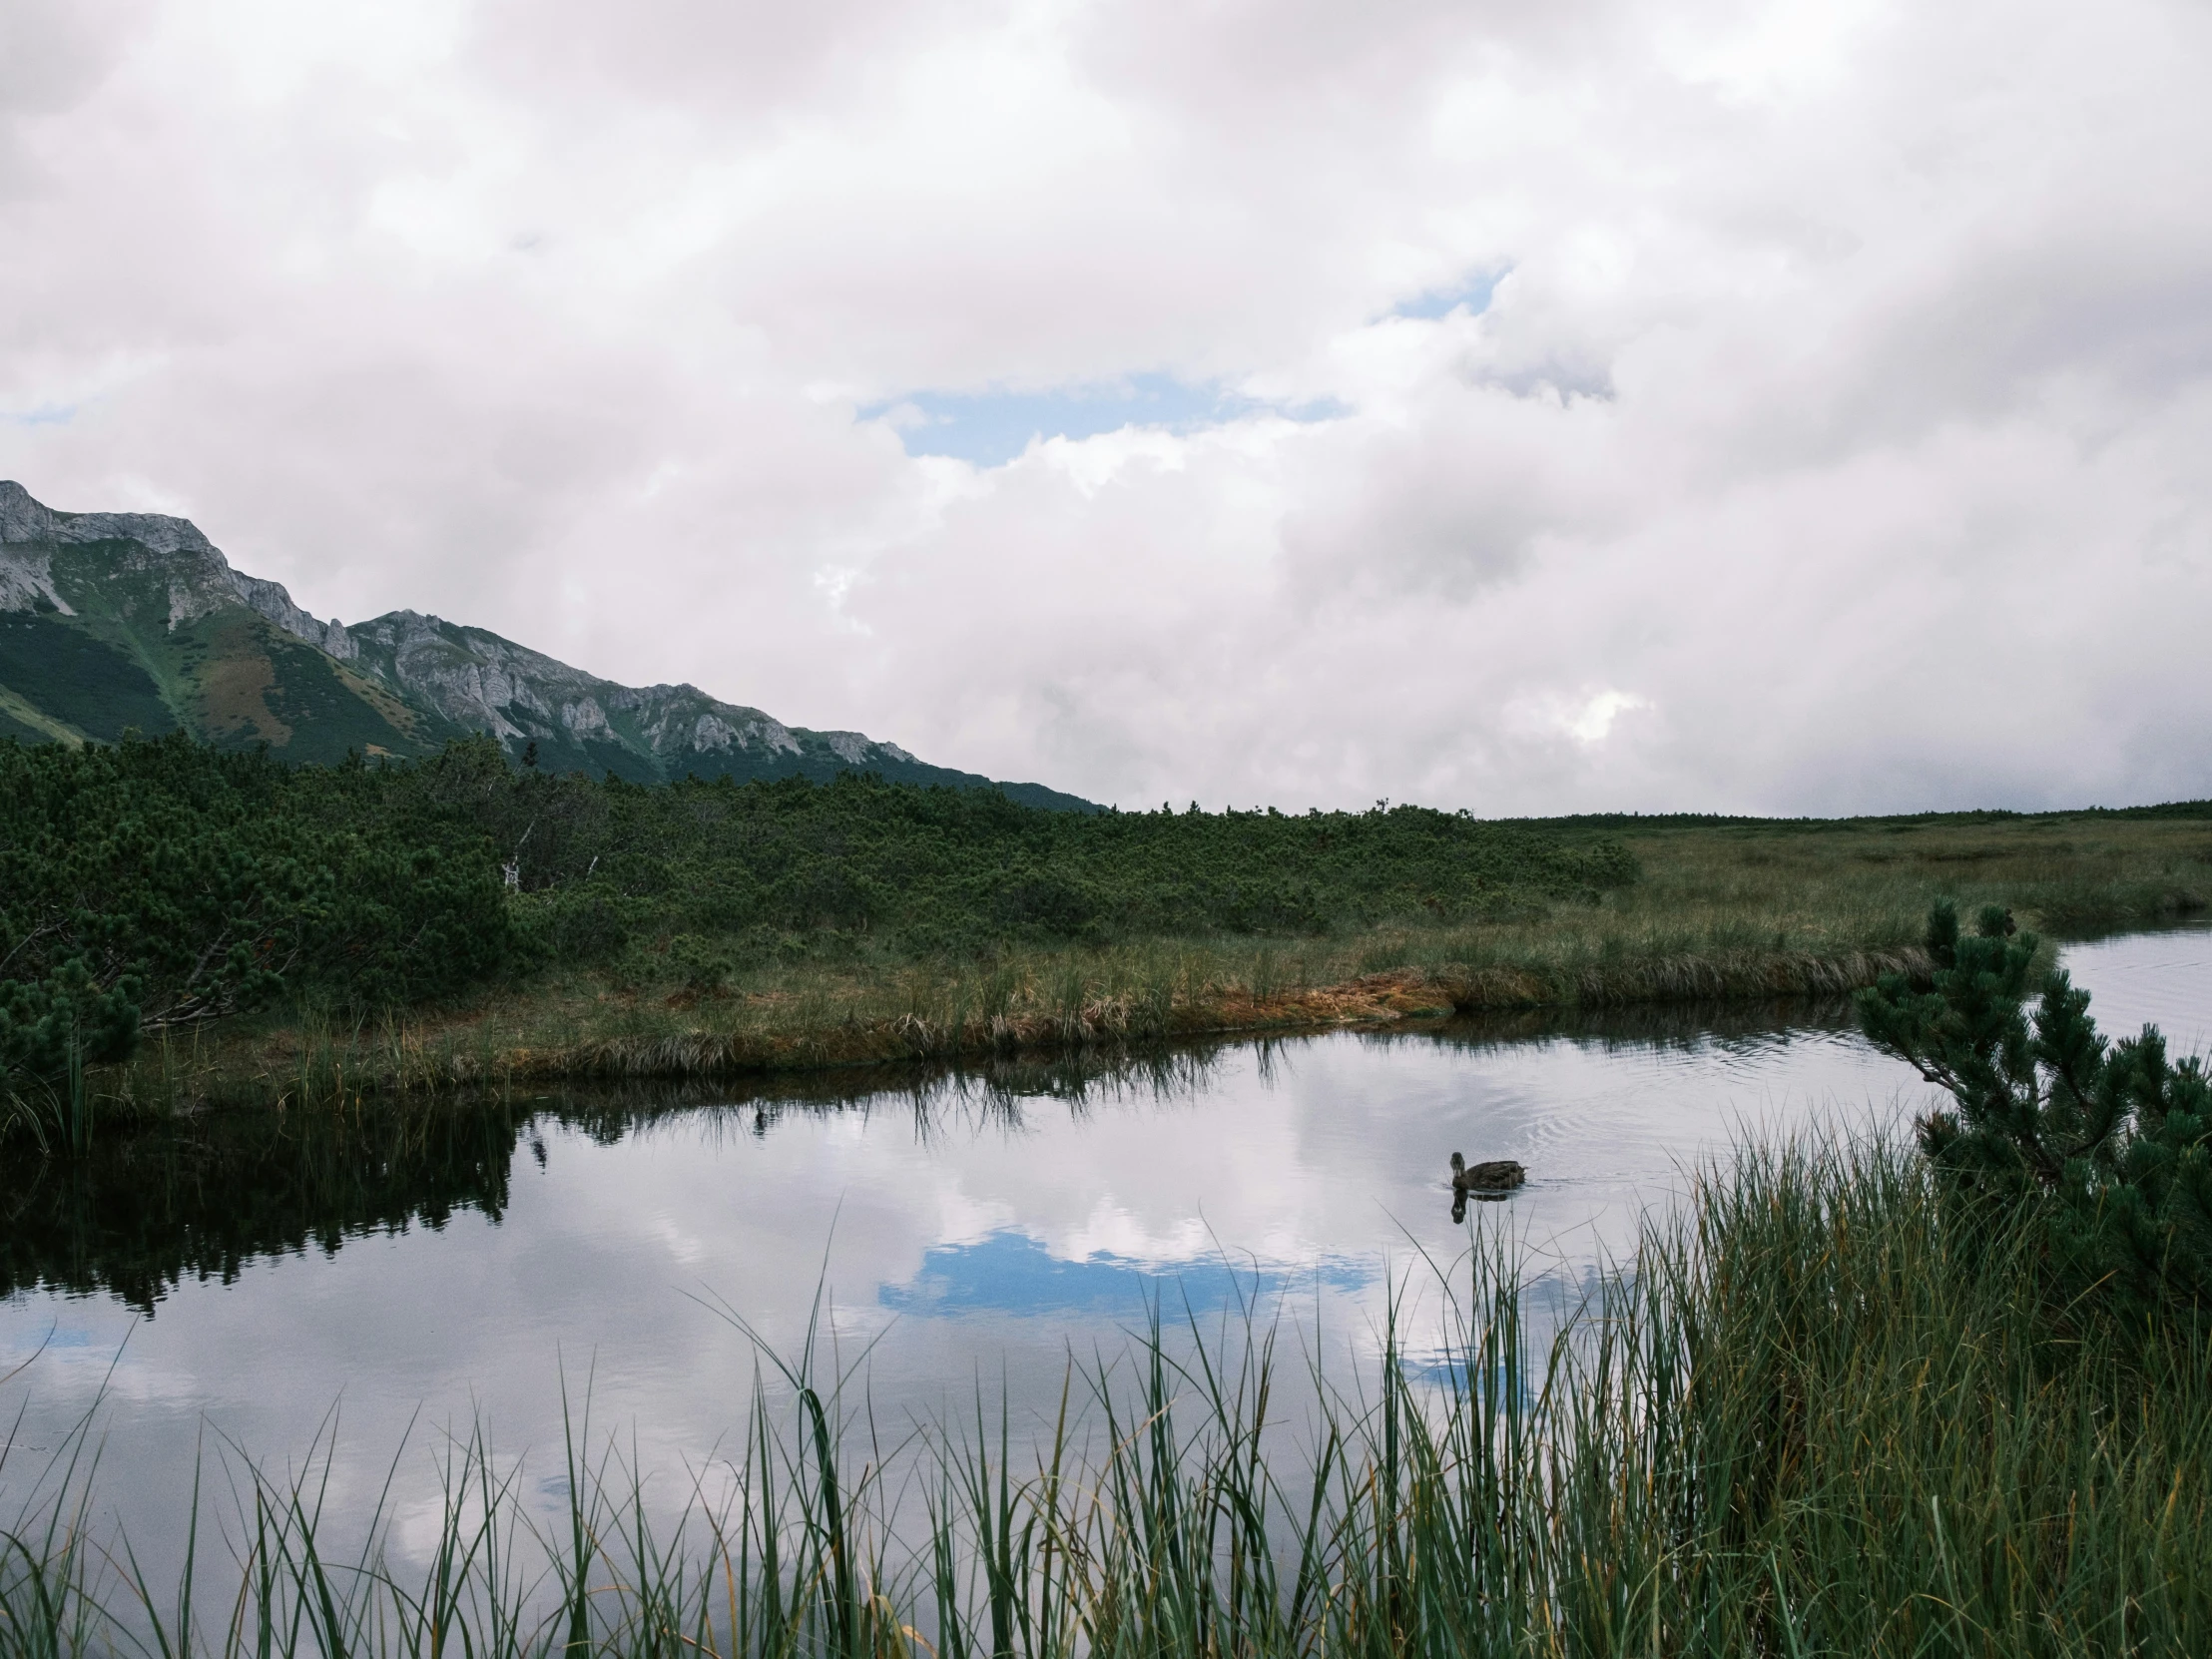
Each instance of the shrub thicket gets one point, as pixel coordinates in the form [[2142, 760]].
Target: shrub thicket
[[162, 883], [158, 884], [773, 868]]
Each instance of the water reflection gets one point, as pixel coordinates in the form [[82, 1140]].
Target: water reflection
[[201, 1199]]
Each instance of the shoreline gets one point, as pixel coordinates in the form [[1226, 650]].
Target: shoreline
[[1372, 1003], [298, 1064]]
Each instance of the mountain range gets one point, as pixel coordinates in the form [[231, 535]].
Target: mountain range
[[109, 621]]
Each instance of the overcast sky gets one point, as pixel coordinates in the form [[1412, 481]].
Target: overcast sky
[[1521, 408]]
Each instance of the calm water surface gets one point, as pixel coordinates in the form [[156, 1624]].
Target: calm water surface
[[260, 1287]]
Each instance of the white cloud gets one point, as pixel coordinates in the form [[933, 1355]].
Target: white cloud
[[1591, 720], [1832, 437]]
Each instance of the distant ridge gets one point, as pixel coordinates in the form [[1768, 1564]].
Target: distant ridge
[[117, 620]]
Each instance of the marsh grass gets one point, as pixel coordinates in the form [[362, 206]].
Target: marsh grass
[[1811, 1418], [55, 1114]]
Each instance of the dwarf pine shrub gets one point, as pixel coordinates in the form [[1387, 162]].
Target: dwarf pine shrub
[[2110, 1142]]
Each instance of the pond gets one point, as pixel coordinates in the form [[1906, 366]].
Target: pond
[[266, 1288]]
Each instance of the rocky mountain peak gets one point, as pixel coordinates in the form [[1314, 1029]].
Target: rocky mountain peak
[[399, 682], [201, 579]]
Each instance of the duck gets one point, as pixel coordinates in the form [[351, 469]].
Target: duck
[[1499, 1175]]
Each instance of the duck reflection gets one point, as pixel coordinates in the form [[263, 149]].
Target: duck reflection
[[1488, 1182]]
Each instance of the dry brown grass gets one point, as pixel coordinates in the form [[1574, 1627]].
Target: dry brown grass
[[233, 692]]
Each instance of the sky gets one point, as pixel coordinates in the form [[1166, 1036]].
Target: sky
[[1588, 406]]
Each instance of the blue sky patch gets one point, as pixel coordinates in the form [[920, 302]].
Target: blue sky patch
[[990, 428], [46, 415], [1474, 294], [1008, 1272]]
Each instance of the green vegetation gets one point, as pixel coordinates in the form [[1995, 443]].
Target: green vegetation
[[1744, 911], [158, 886], [160, 639], [248, 684], [2113, 1142], [1822, 1416], [787, 869], [710, 928]]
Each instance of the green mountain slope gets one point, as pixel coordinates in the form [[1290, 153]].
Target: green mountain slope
[[109, 621]]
